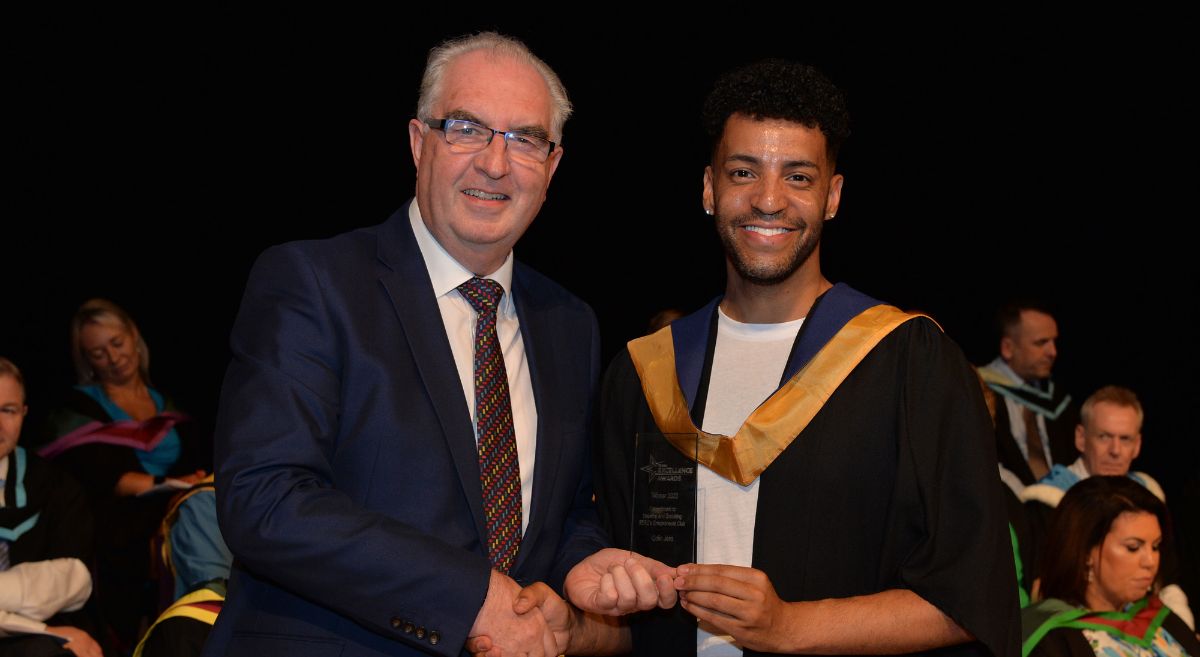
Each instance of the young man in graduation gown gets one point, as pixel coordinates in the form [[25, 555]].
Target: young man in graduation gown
[[847, 495]]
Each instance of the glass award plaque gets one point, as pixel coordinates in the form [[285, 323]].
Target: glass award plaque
[[664, 497]]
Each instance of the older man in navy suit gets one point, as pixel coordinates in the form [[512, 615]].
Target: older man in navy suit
[[402, 443]]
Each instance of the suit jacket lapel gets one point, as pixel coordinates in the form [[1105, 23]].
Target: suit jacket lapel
[[539, 336], [412, 298]]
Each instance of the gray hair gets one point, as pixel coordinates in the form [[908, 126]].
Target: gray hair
[[500, 46], [1115, 395]]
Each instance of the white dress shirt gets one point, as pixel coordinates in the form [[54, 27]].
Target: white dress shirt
[[459, 319], [1016, 421]]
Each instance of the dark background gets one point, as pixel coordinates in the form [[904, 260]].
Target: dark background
[[156, 155]]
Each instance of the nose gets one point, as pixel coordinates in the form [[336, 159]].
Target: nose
[[768, 198], [1051, 350], [493, 160], [1150, 560]]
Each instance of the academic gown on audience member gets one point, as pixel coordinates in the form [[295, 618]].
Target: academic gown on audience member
[[45, 516], [892, 485], [1146, 627], [127, 524]]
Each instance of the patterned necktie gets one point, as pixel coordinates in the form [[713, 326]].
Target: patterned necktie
[[499, 470], [1033, 443]]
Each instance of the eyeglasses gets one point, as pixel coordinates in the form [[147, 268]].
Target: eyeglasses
[[469, 137]]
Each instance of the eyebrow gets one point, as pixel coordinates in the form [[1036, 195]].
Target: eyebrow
[[790, 164], [530, 130]]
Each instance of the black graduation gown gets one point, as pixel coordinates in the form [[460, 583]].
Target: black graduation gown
[[891, 485], [64, 529], [1070, 642]]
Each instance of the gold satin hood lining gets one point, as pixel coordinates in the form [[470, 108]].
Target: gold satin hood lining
[[778, 420]]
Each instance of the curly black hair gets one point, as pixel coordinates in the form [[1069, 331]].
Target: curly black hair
[[779, 89]]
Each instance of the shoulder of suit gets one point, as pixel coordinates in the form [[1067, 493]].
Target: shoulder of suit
[[356, 246], [543, 290]]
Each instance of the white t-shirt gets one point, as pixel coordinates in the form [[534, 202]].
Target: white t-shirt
[[747, 365]]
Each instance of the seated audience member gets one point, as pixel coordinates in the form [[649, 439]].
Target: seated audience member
[[1034, 422], [1019, 530], [193, 549], [1099, 578], [1109, 438], [124, 441], [199, 560], [45, 540]]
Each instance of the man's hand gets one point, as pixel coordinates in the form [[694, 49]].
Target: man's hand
[[738, 601], [615, 582], [510, 633], [742, 602], [78, 641], [537, 598]]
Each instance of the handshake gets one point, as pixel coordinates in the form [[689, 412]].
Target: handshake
[[535, 621]]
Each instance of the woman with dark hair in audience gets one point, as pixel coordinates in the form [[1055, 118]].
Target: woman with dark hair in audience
[[125, 442], [1099, 577]]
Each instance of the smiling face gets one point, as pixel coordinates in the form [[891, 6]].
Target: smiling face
[[771, 187], [111, 349], [1125, 563], [478, 204]]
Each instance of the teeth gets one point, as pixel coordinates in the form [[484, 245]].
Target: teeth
[[479, 193], [766, 231]]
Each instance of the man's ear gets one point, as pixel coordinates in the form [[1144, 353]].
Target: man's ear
[[416, 140]]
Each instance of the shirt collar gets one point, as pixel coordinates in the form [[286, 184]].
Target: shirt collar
[[1001, 366], [446, 273]]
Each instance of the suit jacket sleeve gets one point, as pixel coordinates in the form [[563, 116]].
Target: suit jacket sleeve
[[282, 509], [582, 532]]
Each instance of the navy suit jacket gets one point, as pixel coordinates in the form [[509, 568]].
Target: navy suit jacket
[[347, 473]]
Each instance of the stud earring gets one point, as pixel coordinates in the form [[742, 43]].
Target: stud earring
[[708, 211]]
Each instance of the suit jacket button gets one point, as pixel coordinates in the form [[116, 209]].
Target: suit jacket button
[[434, 637], [408, 627], [396, 622], [420, 632]]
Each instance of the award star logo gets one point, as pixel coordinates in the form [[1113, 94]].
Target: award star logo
[[660, 470]]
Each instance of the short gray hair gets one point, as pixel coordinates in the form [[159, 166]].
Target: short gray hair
[[500, 46], [1115, 395]]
